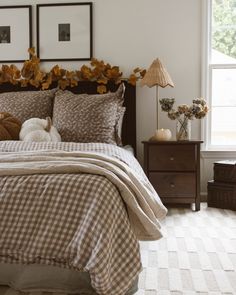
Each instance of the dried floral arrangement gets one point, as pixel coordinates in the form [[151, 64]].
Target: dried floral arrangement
[[184, 113], [32, 74], [197, 110]]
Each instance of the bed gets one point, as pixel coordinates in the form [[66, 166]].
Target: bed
[[71, 213]]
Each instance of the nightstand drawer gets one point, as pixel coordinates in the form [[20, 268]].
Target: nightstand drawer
[[169, 158], [174, 184]]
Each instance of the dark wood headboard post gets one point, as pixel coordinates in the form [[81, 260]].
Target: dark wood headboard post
[[129, 135], [129, 122]]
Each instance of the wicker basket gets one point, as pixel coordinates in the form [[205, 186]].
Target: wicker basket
[[221, 195], [225, 171], [222, 190]]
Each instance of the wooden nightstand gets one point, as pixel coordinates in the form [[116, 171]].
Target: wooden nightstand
[[173, 168]]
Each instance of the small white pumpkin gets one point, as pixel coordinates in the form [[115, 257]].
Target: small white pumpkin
[[36, 129]]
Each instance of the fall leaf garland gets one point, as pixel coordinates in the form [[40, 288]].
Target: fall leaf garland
[[98, 70]]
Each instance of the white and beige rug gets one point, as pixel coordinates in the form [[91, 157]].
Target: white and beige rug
[[196, 256]]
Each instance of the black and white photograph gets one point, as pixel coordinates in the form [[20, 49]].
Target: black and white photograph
[[5, 34], [70, 30], [15, 33], [63, 32]]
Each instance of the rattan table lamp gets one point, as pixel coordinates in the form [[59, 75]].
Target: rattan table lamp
[[157, 75]]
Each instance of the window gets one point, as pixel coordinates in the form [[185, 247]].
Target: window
[[221, 74]]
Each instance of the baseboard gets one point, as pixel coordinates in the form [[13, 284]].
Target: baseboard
[[203, 197]]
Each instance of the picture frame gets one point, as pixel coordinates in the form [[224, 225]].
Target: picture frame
[[65, 31], [15, 33]]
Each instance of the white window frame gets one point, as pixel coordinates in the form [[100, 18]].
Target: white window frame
[[207, 69]]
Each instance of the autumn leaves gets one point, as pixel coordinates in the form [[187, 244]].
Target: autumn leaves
[[32, 74]]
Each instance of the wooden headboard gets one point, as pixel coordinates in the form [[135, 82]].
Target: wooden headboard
[[129, 123]]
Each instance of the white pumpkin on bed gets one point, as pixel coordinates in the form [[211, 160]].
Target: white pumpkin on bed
[[36, 129]]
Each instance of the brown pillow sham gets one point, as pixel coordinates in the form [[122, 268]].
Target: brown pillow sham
[[28, 104], [119, 122], [87, 118]]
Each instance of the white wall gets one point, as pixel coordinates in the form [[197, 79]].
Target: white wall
[[132, 33]]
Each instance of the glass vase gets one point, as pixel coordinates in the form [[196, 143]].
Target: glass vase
[[183, 129]]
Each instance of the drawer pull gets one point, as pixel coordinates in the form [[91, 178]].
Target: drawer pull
[[172, 185], [172, 158]]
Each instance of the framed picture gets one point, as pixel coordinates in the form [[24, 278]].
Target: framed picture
[[64, 31], [15, 33]]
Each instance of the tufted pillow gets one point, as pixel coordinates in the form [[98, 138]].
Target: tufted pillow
[[87, 118], [28, 104]]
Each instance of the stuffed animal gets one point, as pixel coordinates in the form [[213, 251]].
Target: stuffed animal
[[36, 129], [9, 127]]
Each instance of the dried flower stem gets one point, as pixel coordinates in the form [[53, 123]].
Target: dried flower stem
[[183, 132]]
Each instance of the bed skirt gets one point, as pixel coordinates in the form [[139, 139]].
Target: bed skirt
[[30, 278]]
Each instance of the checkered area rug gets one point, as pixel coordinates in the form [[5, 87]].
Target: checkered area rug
[[196, 256]]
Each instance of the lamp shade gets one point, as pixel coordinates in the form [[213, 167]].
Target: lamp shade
[[157, 75]]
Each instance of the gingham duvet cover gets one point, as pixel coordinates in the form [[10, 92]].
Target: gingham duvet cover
[[73, 220]]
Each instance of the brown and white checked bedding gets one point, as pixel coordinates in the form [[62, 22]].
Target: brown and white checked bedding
[[74, 220]]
